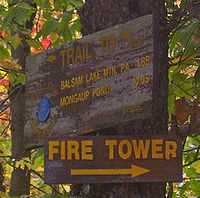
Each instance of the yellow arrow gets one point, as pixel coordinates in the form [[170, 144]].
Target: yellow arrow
[[133, 171]]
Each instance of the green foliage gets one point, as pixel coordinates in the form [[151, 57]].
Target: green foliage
[[19, 13], [17, 78], [4, 53], [184, 82], [62, 24]]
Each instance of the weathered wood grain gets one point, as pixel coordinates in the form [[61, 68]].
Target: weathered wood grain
[[126, 51]]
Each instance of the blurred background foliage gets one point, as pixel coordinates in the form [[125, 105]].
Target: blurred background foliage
[[56, 22]]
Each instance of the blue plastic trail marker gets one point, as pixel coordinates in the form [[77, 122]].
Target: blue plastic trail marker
[[43, 109]]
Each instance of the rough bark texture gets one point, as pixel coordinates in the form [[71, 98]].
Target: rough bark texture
[[20, 178], [2, 187], [100, 14]]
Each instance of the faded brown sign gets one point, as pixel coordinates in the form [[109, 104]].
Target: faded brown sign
[[96, 82], [113, 159]]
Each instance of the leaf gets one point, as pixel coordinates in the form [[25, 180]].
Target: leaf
[[42, 3], [190, 172], [19, 13], [4, 53], [64, 27], [15, 41], [195, 187], [75, 27], [49, 27], [38, 159], [182, 110], [10, 64], [76, 3], [17, 78], [60, 4], [34, 43], [66, 33], [196, 166]]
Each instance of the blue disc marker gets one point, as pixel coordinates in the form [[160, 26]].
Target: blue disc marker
[[43, 109]]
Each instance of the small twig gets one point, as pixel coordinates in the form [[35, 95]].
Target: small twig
[[193, 149], [183, 90], [42, 178], [38, 189], [4, 76], [170, 190], [6, 128], [185, 47], [191, 178], [193, 161], [63, 189]]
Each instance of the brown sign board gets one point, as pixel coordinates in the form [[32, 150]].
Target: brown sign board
[[99, 81], [113, 159]]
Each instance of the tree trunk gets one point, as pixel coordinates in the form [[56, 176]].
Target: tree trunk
[[20, 178], [2, 187], [100, 14]]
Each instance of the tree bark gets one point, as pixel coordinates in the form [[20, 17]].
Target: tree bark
[[20, 178], [100, 14], [2, 187]]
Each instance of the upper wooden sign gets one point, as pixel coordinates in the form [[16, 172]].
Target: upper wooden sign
[[100, 81]]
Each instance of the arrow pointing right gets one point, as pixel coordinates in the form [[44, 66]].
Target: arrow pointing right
[[137, 170], [134, 171]]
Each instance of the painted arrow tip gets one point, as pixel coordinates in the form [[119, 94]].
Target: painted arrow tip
[[137, 171]]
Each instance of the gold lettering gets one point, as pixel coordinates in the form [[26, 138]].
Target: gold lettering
[[170, 150], [74, 99], [70, 56], [157, 149], [53, 149], [93, 76], [71, 83], [141, 148], [73, 150], [109, 71], [78, 55], [142, 80], [125, 149], [124, 67], [87, 55], [86, 150], [63, 57], [63, 150], [111, 144], [101, 91]]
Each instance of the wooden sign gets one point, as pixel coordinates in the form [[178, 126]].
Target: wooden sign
[[102, 80], [104, 159]]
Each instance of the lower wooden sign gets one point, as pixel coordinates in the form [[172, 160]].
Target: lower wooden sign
[[113, 159]]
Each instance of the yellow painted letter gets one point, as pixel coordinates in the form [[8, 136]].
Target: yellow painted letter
[[141, 148], [111, 144], [86, 150], [157, 149], [170, 149], [53, 149], [73, 150], [125, 149]]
